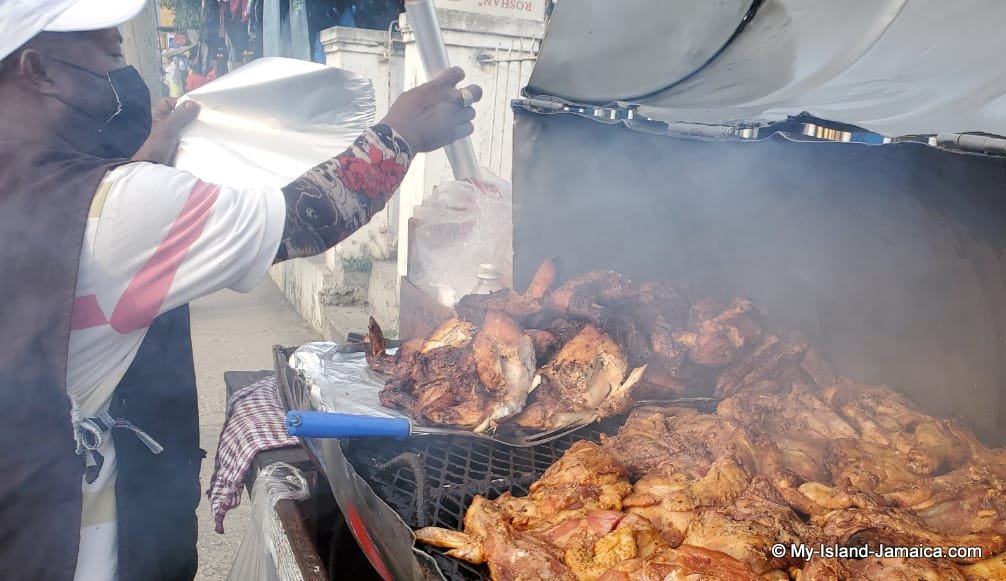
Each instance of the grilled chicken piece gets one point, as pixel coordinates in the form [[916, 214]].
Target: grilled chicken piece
[[653, 438], [545, 344], [459, 376], [589, 543], [488, 538], [669, 353], [717, 336], [825, 498], [895, 569], [670, 500], [597, 541], [643, 443], [474, 307], [768, 360], [869, 466], [586, 378], [817, 369], [623, 330], [659, 383], [969, 499], [799, 422], [684, 562], [565, 329], [504, 358], [800, 411], [993, 569], [446, 388], [453, 332], [660, 299], [376, 353], [658, 309], [803, 456], [542, 280], [748, 528], [573, 510], [586, 477], [873, 407], [589, 296], [437, 381], [892, 527], [520, 307], [886, 418]]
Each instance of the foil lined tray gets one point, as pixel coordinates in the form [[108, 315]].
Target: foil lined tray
[[338, 379]]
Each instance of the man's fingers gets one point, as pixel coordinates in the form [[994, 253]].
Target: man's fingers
[[467, 114], [449, 77], [463, 130], [182, 116], [163, 109], [475, 91]]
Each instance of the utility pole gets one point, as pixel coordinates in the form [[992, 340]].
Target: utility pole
[[142, 48]]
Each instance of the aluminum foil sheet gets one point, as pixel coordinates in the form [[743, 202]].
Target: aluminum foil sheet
[[338, 379], [268, 122]]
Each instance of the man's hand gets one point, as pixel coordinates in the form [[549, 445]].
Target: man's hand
[[165, 131], [434, 114]]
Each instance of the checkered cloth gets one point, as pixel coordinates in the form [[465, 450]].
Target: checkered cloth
[[255, 423]]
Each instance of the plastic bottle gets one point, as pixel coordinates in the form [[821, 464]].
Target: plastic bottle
[[488, 280]]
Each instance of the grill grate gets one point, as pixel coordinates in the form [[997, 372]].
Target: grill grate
[[430, 481]]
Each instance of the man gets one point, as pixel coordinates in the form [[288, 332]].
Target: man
[[100, 459]]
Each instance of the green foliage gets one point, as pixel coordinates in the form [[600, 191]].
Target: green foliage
[[187, 12], [361, 264]]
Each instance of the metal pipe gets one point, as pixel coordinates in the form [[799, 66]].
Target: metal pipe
[[974, 143], [433, 52]]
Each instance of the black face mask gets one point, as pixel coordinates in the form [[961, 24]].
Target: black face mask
[[118, 105]]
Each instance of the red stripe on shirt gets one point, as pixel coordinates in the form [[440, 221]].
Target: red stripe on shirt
[[87, 313], [146, 293]]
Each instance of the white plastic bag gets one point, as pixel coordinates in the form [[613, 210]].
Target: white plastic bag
[[459, 227], [264, 539]]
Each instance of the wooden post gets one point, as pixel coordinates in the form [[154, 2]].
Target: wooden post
[[143, 50]]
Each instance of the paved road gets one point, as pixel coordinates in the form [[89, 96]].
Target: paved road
[[233, 332]]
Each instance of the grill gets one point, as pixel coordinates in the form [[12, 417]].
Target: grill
[[430, 481]]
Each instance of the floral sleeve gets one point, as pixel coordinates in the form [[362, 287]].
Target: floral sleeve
[[337, 197]]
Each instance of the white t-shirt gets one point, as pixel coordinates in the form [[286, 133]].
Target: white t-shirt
[[156, 238]]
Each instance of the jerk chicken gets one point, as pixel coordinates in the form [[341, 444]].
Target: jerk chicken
[[460, 376], [793, 455], [547, 357]]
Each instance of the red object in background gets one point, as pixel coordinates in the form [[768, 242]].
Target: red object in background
[[239, 10], [195, 81]]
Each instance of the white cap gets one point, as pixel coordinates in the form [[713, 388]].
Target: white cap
[[21, 20]]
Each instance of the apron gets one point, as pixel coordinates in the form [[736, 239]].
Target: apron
[[45, 196]]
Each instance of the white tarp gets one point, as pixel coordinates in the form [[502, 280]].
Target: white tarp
[[894, 67]]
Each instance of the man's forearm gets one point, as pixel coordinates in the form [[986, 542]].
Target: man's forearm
[[337, 197]]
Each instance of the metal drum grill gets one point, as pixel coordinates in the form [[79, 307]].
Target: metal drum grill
[[431, 481]]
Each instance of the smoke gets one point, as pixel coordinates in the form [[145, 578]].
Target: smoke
[[859, 247]]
